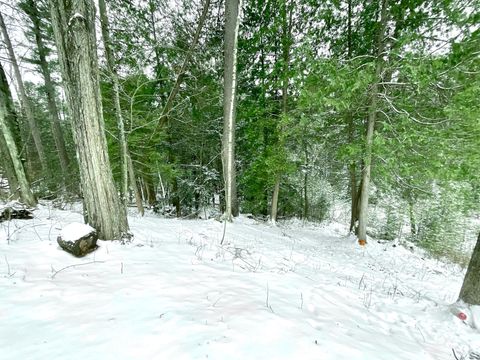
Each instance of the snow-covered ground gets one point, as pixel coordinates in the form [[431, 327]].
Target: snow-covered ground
[[285, 292]]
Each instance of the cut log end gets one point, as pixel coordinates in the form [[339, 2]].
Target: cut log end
[[80, 245]]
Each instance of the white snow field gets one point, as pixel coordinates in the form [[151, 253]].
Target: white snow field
[[284, 292]]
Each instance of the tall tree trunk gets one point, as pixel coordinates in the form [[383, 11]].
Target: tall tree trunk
[[9, 170], [352, 168], [232, 23], [116, 100], [26, 194], [21, 136], [305, 186], [470, 292], [74, 29], [372, 117], [11, 122], [411, 213], [164, 116], [351, 133], [135, 187], [24, 99], [276, 191], [286, 42], [49, 88]]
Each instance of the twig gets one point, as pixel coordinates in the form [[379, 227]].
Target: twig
[[224, 229], [455, 355], [70, 266], [8, 265], [266, 300]]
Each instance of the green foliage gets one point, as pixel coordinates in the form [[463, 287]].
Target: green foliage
[[441, 224]]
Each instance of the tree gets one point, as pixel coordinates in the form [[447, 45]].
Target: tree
[[24, 98], [30, 7], [286, 15], [8, 148], [372, 118], [470, 291], [74, 29], [232, 23], [126, 162]]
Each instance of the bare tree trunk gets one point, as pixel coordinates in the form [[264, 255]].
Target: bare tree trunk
[[276, 191], [372, 117], [9, 170], [353, 181], [49, 88], [351, 134], [149, 189], [136, 190], [232, 23], [305, 187], [24, 99], [286, 40], [25, 192], [116, 100], [411, 214], [470, 292], [74, 29]]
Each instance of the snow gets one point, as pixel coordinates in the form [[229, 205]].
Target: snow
[[75, 231], [75, 17], [292, 291]]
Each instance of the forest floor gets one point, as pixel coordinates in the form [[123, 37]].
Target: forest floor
[[291, 291]]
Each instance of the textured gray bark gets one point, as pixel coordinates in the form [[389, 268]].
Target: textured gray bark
[[372, 118], [134, 185], [470, 292], [6, 163], [286, 42], [232, 22], [49, 88], [26, 194], [276, 192], [122, 140], [74, 29], [23, 97], [9, 171]]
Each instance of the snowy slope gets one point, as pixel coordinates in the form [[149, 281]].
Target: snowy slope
[[285, 292]]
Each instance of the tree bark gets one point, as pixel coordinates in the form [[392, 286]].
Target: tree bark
[[351, 133], [305, 186], [411, 213], [26, 194], [352, 168], [232, 23], [49, 88], [24, 99], [276, 191], [74, 29], [8, 169], [286, 42], [136, 190], [470, 292], [116, 100], [372, 117]]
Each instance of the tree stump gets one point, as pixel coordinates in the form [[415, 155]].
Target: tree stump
[[78, 239]]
